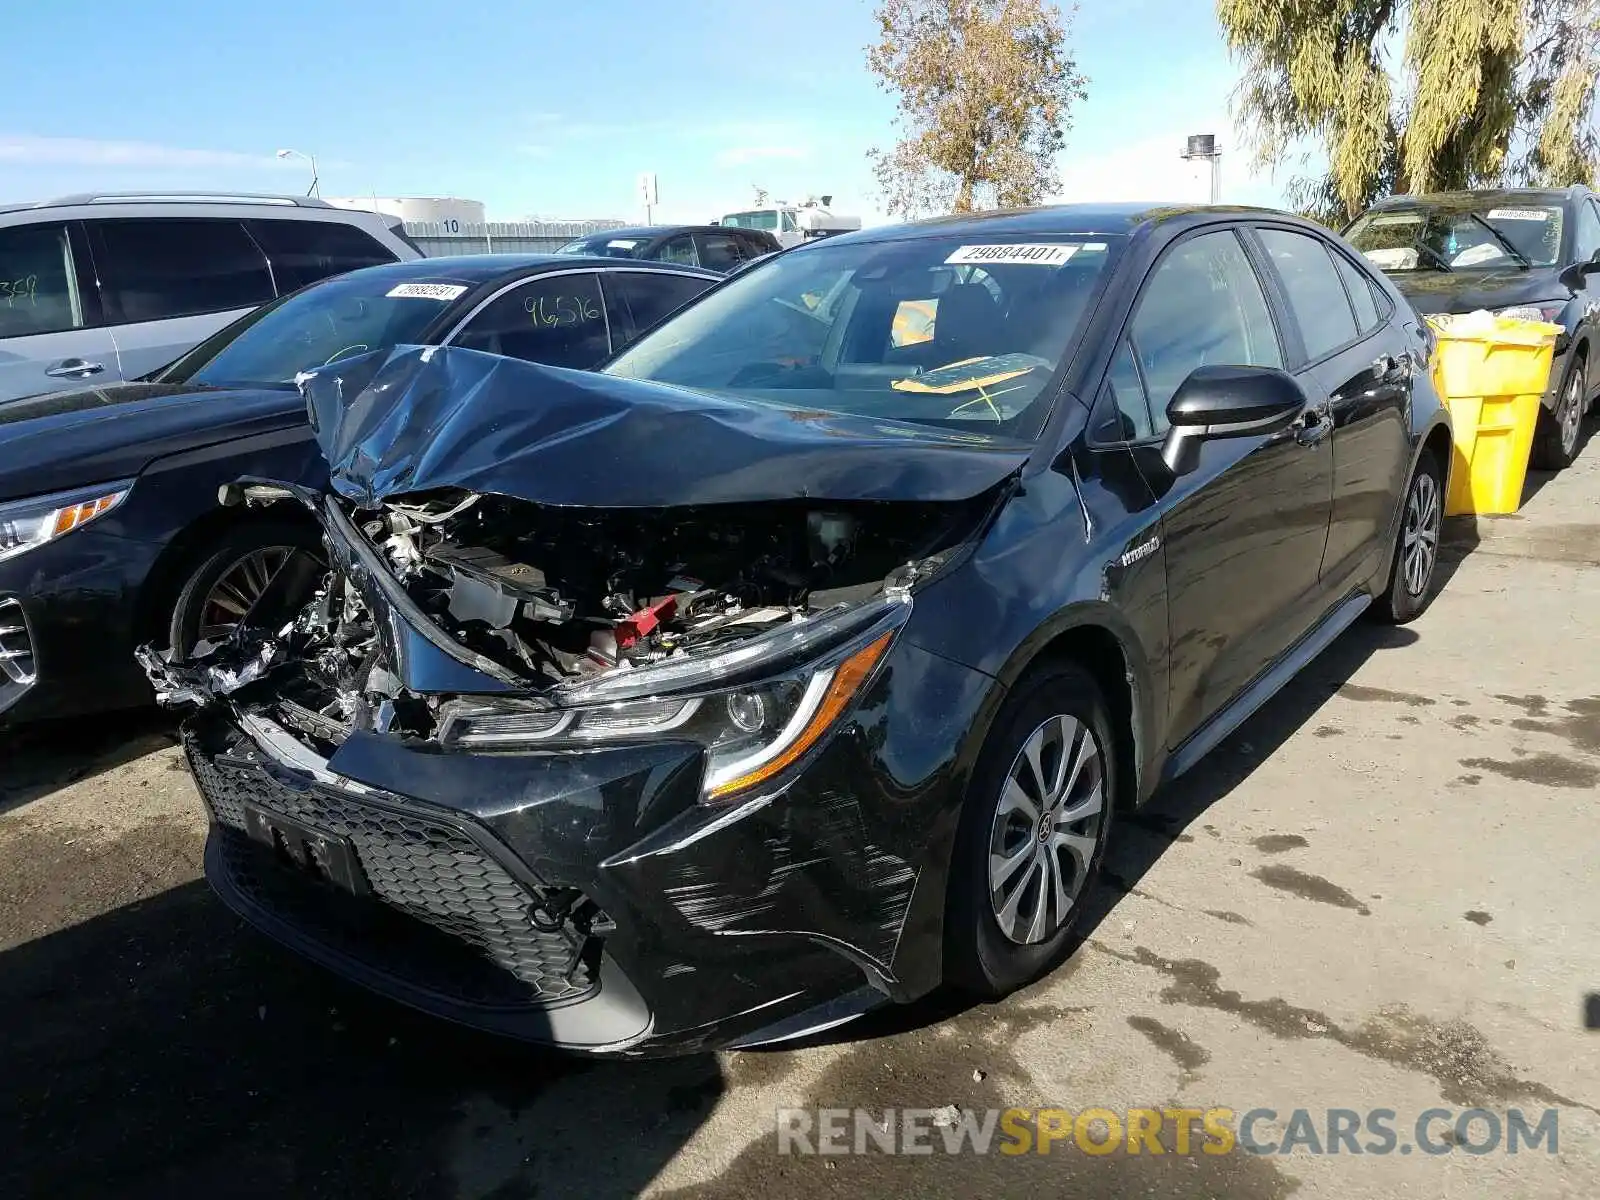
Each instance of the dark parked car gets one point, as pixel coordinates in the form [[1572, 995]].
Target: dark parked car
[[716, 247], [1525, 253], [110, 533], [803, 658]]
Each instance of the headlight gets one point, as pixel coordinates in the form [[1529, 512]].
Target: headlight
[[25, 524], [1544, 310], [768, 711]]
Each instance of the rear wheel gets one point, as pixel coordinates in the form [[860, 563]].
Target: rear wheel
[[223, 584], [1555, 441], [1416, 554], [1033, 833]]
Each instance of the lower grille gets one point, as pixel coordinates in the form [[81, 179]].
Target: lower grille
[[18, 669], [451, 919]]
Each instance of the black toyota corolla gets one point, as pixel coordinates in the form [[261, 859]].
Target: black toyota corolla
[[110, 531], [802, 658]]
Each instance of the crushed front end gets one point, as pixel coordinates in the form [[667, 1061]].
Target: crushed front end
[[614, 780]]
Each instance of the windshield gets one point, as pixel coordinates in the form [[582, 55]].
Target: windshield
[[1460, 234], [605, 245], [338, 318], [945, 331]]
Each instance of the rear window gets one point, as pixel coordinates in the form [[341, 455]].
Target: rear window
[[303, 252], [605, 246]]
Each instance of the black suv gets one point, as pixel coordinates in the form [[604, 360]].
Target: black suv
[[805, 655], [1525, 253], [717, 248]]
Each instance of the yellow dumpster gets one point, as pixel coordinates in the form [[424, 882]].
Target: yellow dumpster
[[1491, 373]]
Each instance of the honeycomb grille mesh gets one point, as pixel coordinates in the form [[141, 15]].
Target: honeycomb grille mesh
[[425, 869]]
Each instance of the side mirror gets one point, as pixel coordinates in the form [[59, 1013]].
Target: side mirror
[[1573, 277], [1227, 402]]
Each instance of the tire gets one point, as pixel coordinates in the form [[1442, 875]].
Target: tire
[[265, 543], [1556, 439], [981, 957], [1421, 515]]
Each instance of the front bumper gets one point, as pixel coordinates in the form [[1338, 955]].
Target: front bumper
[[719, 927], [67, 613]]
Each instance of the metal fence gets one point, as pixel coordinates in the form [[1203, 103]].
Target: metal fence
[[439, 238]]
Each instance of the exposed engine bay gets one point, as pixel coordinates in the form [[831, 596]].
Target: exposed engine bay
[[554, 593], [558, 595]]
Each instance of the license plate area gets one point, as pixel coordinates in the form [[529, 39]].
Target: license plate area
[[317, 854]]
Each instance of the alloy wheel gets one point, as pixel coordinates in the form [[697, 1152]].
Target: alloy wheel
[[1419, 547], [1046, 829], [237, 589], [1571, 413]]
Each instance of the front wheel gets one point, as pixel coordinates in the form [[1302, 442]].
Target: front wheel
[[1416, 552], [1555, 439], [222, 585], [1033, 833]]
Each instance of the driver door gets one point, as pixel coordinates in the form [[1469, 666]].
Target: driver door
[[1244, 532]]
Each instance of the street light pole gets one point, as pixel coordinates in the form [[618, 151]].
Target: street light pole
[[310, 158]]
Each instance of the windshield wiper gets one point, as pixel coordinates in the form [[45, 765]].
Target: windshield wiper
[[1505, 242], [1439, 260]]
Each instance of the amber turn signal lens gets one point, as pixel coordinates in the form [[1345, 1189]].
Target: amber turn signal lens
[[847, 680], [74, 515]]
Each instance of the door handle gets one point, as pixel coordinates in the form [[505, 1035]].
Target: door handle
[[1314, 425], [73, 368]]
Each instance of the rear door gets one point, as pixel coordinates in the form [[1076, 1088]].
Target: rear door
[[558, 319], [1360, 361], [51, 336], [1244, 532], [169, 283]]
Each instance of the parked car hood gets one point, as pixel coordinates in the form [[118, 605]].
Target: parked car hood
[[62, 440], [1469, 290], [424, 419]]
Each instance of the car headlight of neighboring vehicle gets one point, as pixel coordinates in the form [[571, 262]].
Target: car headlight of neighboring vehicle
[[757, 708], [1544, 310], [27, 524]]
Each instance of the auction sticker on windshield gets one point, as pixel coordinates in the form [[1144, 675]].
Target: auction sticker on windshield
[[1039, 254], [1519, 214], [443, 292]]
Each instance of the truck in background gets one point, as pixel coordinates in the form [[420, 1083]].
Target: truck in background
[[792, 224]]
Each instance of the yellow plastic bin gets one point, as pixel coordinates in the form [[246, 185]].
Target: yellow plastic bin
[[1492, 373]]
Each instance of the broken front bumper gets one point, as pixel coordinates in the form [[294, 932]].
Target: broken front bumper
[[437, 878]]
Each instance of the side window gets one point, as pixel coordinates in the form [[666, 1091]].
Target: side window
[[1361, 296], [1588, 230], [678, 250], [1203, 306], [1124, 412], [38, 287], [556, 319], [719, 251], [303, 252], [151, 270], [1316, 297], [651, 296]]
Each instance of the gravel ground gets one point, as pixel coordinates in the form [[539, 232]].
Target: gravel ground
[[1380, 893]]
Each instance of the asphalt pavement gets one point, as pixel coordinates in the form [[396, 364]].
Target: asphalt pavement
[[1380, 894]]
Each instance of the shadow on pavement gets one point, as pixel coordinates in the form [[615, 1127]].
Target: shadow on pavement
[[36, 760], [163, 1050]]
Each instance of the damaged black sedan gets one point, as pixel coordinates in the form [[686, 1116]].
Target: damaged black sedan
[[801, 659]]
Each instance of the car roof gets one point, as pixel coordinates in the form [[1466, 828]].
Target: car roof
[[1055, 220], [654, 231], [1524, 195], [486, 268]]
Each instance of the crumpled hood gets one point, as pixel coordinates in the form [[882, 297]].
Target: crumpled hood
[[419, 419], [1467, 291], [62, 440]]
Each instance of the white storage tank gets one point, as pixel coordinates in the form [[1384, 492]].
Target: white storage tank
[[450, 214]]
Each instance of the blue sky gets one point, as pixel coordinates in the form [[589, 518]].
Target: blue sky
[[547, 109]]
